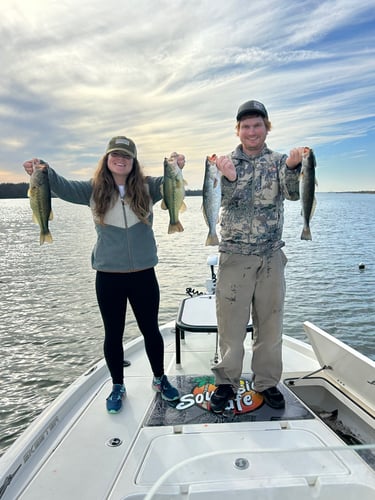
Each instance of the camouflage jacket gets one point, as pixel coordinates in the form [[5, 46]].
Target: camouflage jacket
[[252, 206]]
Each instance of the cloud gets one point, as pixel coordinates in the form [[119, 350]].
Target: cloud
[[172, 74]]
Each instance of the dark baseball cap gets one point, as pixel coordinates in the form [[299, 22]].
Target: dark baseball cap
[[251, 108], [124, 144]]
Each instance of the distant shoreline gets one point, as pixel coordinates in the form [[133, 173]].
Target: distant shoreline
[[10, 190]]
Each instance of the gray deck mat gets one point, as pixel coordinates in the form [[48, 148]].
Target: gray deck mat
[[193, 407]]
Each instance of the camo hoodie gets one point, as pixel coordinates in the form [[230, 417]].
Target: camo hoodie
[[252, 206]]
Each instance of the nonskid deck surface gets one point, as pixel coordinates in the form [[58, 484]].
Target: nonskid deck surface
[[247, 406]]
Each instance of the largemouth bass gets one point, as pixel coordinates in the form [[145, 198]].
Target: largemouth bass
[[173, 192], [211, 199], [307, 191], [40, 202]]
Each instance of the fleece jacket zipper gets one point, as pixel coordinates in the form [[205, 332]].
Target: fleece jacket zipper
[[131, 263]]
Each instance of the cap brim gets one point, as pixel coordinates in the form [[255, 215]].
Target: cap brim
[[120, 150], [250, 112]]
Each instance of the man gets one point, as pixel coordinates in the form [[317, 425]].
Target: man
[[255, 182]]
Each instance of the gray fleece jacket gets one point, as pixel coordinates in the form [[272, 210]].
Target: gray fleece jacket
[[124, 243]]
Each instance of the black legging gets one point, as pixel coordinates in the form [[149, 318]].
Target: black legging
[[142, 289]]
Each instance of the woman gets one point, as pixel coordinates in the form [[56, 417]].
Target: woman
[[124, 256]]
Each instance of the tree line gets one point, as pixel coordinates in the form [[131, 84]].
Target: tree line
[[10, 190], [19, 190]]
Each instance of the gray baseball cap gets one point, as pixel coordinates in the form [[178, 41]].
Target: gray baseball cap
[[251, 108], [122, 143]]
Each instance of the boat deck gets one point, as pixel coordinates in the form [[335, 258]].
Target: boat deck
[[283, 454]]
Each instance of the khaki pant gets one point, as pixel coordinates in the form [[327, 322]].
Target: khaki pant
[[247, 282]]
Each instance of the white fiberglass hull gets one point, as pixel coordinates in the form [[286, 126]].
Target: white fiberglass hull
[[75, 449]]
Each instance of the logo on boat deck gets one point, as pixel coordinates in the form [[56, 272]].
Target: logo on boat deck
[[245, 401]]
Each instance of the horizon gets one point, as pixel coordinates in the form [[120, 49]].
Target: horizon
[[199, 190]]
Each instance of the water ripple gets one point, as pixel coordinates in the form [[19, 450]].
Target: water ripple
[[51, 329]]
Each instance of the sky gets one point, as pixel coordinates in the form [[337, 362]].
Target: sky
[[172, 74]]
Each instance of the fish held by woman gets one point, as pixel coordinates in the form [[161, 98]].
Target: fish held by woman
[[40, 201], [211, 199], [173, 192], [307, 191]]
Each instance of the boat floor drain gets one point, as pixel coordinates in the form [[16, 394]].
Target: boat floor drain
[[241, 463], [113, 442]]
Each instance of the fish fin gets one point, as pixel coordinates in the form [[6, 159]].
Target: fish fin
[[185, 182], [212, 240], [175, 228], [183, 207], [306, 234], [46, 238], [50, 215], [163, 205], [313, 208], [34, 219]]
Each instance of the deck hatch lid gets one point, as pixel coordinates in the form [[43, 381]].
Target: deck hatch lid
[[347, 367]]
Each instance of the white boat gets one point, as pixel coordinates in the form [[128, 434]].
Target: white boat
[[322, 445]]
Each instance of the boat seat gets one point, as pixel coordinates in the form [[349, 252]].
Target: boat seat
[[198, 314]]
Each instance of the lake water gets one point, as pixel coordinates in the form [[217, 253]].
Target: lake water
[[50, 327]]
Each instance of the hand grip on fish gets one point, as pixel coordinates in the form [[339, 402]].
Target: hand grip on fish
[[40, 199], [225, 165], [307, 191]]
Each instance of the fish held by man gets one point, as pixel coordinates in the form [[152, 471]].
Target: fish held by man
[[40, 202], [307, 191], [173, 192], [211, 199]]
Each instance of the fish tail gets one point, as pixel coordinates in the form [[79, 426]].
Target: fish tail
[[306, 234], [175, 228], [212, 240], [45, 237]]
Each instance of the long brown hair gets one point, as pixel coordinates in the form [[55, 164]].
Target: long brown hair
[[105, 191]]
